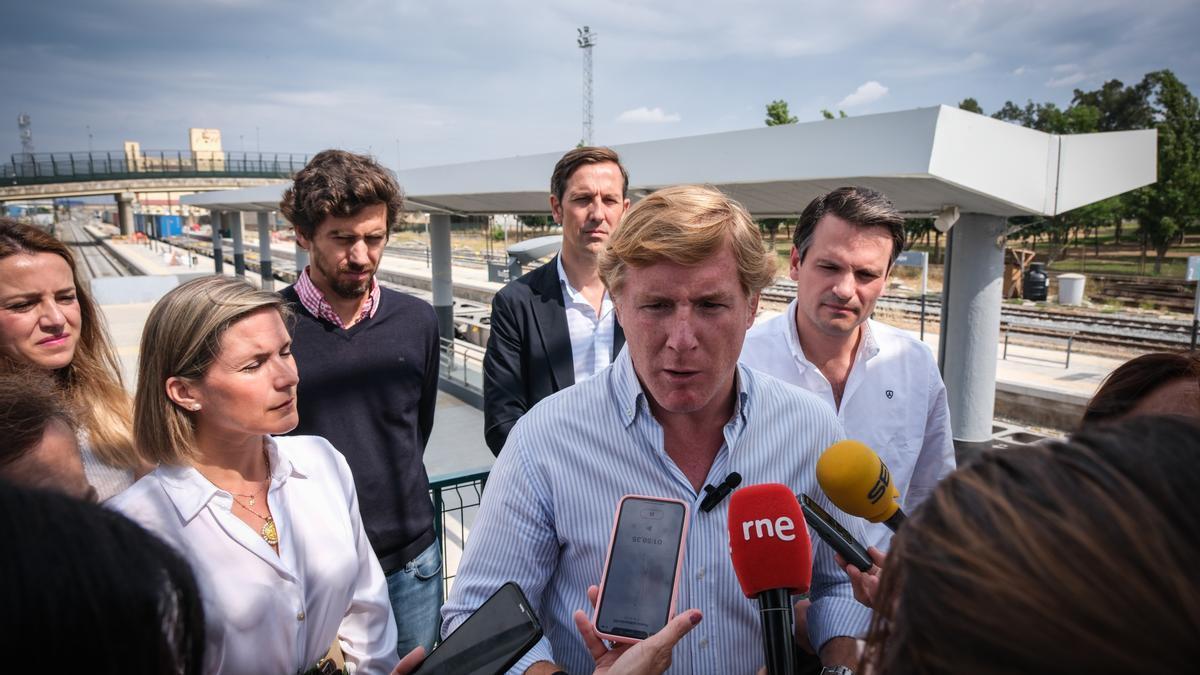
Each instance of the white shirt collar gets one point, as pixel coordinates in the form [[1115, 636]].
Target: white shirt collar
[[190, 491], [868, 347]]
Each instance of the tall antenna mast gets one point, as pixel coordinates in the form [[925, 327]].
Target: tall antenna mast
[[24, 124], [587, 40]]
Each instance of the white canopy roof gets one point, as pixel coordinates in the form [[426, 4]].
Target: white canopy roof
[[924, 160]]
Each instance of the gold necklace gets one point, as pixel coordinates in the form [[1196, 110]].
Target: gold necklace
[[251, 497], [268, 531]]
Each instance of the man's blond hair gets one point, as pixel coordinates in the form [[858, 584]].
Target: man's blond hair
[[686, 225]]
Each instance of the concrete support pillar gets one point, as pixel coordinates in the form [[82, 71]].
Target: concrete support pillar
[[301, 259], [217, 250], [234, 219], [264, 250], [970, 330], [125, 213], [443, 282]]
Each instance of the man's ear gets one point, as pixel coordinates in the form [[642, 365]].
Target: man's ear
[[303, 241], [183, 393], [753, 309], [794, 265], [556, 209]]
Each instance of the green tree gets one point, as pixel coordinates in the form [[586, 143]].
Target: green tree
[[829, 115], [970, 105], [538, 222], [777, 114], [1172, 204], [1121, 108]]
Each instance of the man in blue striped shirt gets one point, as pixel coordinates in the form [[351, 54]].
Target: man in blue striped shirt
[[674, 412]]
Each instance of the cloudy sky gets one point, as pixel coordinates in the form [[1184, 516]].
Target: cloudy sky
[[440, 81]]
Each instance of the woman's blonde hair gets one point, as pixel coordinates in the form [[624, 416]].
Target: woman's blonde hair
[[92, 381], [687, 225], [181, 339]]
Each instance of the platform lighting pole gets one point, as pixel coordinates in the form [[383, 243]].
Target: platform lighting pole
[[587, 40]]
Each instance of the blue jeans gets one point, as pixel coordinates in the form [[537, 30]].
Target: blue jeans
[[416, 596]]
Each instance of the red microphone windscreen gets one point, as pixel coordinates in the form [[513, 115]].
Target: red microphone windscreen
[[768, 540]]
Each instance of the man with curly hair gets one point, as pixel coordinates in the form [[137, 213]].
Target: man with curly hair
[[368, 364]]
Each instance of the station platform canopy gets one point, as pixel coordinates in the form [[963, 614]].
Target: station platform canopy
[[925, 160]]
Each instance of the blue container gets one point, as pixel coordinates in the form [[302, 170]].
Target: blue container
[[170, 226]]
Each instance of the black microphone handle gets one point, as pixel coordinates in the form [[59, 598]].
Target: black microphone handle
[[896, 520], [775, 613]]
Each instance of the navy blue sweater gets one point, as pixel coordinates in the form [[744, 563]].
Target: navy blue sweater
[[370, 390]]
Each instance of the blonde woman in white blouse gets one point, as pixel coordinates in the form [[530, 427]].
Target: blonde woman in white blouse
[[270, 524]]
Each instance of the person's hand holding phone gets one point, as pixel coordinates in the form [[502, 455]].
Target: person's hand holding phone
[[647, 657], [865, 584], [410, 662]]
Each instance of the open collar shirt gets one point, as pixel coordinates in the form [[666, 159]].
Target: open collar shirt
[[547, 513], [894, 401], [267, 612], [314, 300], [591, 335]]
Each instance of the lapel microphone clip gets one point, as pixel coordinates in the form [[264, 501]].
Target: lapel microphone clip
[[714, 495]]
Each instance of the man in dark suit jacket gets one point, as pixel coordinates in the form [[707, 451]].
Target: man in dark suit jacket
[[555, 325]]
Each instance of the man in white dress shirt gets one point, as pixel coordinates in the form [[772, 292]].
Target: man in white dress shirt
[[555, 326], [883, 383]]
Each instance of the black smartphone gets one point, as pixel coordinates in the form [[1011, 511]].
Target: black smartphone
[[641, 572], [834, 534], [491, 640]]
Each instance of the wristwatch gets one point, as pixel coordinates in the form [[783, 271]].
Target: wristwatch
[[836, 670]]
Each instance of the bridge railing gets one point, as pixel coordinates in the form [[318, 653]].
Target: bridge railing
[[51, 167]]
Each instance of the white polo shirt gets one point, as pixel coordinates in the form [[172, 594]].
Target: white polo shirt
[[894, 401]]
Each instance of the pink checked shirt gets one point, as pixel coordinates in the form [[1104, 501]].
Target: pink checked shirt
[[314, 301]]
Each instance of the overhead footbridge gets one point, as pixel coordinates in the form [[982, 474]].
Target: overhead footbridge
[[120, 173], [967, 171]]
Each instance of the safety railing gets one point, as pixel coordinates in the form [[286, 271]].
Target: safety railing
[[462, 364], [36, 168], [456, 499]]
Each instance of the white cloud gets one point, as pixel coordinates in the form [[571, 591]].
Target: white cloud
[[1019, 71], [644, 115], [868, 92], [1066, 68], [1067, 80]]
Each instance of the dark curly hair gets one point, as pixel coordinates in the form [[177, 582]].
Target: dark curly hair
[[339, 183]]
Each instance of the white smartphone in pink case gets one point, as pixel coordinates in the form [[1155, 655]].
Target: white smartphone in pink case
[[641, 571]]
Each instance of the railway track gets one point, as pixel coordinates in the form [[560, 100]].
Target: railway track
[[97, 261], [1096, 328], [1035, 324]]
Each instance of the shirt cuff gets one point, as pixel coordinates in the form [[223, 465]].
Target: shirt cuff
[[540, 652], [832, 617]]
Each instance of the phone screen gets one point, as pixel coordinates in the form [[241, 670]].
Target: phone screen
[[491, 640], [640, 579]]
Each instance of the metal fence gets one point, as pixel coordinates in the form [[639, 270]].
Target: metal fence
[[462, 364], [455, 498], [50, 167]]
